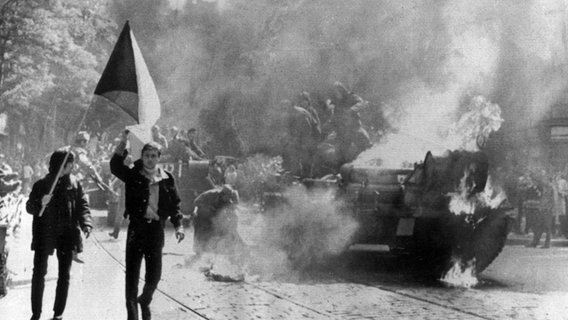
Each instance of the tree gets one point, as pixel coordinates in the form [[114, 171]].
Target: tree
[[50, 54]]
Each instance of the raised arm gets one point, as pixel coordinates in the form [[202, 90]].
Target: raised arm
[[117, 166]]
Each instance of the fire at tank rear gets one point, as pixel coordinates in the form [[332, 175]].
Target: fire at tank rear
[[445, 212]]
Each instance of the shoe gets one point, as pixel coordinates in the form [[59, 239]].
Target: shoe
[[35, 318], [145, 309], [113, 235], [77, 258], [57, 318]]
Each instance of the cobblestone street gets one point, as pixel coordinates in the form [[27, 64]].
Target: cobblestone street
[[348, 292], [283, 160]]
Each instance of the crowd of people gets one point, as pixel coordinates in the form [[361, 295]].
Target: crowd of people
[[317, 141], [148, 195], [541, 202], [313, 147], [181, 146]]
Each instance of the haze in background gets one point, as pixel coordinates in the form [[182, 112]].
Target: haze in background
[[418, 62]]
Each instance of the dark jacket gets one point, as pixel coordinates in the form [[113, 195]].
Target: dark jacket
[[209, 203], [215, 220], [67, 213], [137, 192], [300, 129]]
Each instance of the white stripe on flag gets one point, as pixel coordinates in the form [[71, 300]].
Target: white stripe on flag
[[149, 109], [138, 137]]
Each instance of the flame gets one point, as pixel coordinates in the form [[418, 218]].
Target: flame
[[461, 274], [492, 196], [461, 201], [459, 205]]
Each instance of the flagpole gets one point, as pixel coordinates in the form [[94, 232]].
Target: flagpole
[[62, 165]]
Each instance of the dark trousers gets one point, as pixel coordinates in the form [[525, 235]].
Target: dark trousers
[[118, 208], [202, 236], [543, 224], [38, 281], [563, 227], [519, 219], [532, 216], [117, 218], [144, 240]]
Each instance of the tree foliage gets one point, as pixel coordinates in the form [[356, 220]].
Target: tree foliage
[[50, 56]]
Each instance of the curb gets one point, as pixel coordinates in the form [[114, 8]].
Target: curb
[[522, 241]]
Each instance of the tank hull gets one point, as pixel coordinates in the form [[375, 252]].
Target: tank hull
[[408, 210]]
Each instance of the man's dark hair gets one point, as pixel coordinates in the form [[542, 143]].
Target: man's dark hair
[[152, 146], [56, 160], [191, 130]]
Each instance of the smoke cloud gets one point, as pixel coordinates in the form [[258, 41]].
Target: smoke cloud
[[419, 63], [308, 230], [501, 50], [416, 60]]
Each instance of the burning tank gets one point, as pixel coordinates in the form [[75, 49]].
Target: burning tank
[[445, 212]]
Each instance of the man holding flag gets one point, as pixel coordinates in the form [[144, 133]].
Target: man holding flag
[[59, 229], [151, 196]]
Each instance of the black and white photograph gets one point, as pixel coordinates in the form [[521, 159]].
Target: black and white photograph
[[283, 159]]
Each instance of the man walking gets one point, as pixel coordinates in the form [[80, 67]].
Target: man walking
[[58, 228], [151, 197]]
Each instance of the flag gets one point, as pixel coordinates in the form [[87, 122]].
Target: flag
[[126, 81], [137, 138], [127, 84]]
